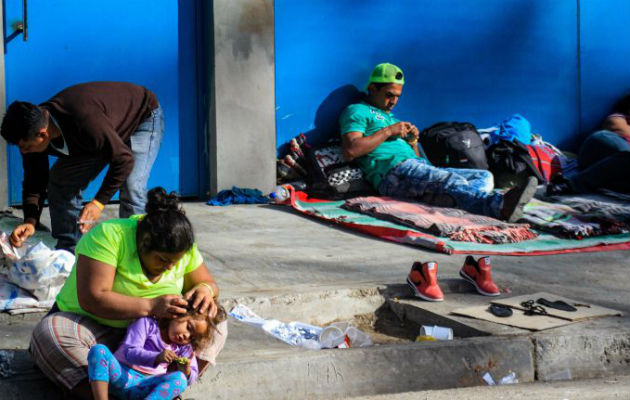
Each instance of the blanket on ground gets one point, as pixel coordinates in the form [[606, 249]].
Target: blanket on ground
[[577, 218], [546, 243], [453, 223]]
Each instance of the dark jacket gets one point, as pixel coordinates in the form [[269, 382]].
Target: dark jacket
[[96, 119]]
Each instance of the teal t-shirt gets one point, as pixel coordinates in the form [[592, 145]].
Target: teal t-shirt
[[367, 119]]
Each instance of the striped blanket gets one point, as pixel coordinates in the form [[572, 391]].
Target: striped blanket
[[577, 218], [453, 223]]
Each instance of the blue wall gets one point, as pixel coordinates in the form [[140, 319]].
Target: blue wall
[[148, 43], [604, 57], [477, 61]]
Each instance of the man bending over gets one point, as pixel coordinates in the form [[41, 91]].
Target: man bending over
[[88, 126]]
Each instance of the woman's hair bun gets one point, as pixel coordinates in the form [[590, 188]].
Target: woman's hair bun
[[160, 201]]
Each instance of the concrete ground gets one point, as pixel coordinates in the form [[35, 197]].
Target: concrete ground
[[592, 389], [290, 267]]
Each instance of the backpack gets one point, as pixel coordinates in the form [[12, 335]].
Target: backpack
[[330, 176], [511, 164], [546, 160], [454, 145]]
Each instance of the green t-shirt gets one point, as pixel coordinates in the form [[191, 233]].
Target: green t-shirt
[[367, 119], [114, 242]]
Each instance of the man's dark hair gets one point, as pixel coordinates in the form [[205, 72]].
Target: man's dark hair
[[379, 85], [22, 121]]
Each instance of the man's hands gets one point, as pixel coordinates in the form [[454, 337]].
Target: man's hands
[[87, 219], [404, 130], [356, 144], [412, 135], [399, 129], [21, 233], [89, 215]]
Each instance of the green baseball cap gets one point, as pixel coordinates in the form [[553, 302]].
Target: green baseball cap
[[387, 73]]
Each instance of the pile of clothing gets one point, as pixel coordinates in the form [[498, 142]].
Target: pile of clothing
[[577, 217]]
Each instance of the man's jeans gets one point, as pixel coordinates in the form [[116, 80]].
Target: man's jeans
[[471, 189], [70, 176], [604, 162]]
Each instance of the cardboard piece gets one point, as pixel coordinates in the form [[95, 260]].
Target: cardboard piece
[[518, 319], [582, 313]]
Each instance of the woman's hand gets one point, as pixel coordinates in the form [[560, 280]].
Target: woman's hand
[[201, 298], [201, 290], [168, 306]]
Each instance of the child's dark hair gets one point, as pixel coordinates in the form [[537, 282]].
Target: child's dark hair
[[208, 337], [22, 121], [165, 228]]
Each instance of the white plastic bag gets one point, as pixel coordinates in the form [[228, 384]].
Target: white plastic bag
[[293, 333], [8, 253], [42, 271]]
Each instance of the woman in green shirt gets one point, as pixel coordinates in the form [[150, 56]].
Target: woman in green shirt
[[125, 269]]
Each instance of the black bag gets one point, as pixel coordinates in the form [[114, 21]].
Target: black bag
[[331, 177], [454, 145], [511, 164]]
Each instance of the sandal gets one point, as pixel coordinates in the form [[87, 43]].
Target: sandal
[[558, 304], [500, 310], [531, 309]]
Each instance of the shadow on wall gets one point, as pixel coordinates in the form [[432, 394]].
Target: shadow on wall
[[327, 115]]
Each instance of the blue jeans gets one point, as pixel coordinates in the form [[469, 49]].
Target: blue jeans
[[470, 189], [604, 162], [70, 176], [126, 383]]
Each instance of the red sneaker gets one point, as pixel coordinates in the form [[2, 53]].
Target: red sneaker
[[478, 273], [423, 280]]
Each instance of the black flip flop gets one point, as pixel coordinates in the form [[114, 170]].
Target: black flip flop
[[558, 304], [500, 311]]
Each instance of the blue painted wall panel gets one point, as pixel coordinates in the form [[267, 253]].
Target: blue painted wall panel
[[192, 166], [477, 61], [137, 41], [604, 58]]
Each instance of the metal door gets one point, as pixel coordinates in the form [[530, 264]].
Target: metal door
[[52, 44]]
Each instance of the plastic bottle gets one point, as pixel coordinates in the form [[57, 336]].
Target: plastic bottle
[[331, 337], [281, 194], [342, 335]]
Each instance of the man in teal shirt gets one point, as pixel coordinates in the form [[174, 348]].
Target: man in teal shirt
[[387, 152]]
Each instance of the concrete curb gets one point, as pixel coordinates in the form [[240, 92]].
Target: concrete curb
[[582, 356], [375, 370], [260, 367], [387, 368]]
